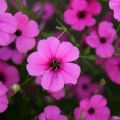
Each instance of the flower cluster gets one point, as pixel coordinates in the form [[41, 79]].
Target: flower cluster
[[57, 54]]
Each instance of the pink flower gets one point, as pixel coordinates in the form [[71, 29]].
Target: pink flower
[[52, 113], [3, 98], [48, 11], [52, 61], [7, 24], [112, 68], [94, 6], [85, 88], [37, 7], [8, 75], [92, 109], [53, 95], [78, 15], [58, 95], [115, 118], [11, 53], [102, 42], [115, 6], [26, 32], [3, 6]]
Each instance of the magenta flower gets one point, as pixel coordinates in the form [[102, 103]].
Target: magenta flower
[[58, 95], [85, 88], [11, 53], [52, 61], [112, 68], [115, 6], [3, 98], [102, 42], [25, 33], [78, 15], [94, 6], [7, 24], [8, 75], [3, 6], [93, 109], [52, 113], [48, 11]]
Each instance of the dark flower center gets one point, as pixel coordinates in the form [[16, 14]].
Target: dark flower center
[[55, 64], [91, 111], [12, 46], [103, 40], [18, 33], [81, 14], [85, 87], [2, 77]]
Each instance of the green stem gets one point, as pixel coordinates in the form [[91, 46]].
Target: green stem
[[73, 40]]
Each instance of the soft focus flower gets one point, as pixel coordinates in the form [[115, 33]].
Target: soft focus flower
[[85, 88], [26, 32], [94, 6], [58, 95], [115, 118], [53, 60], [37, 7], [92, 109], [112, 68], [11, 53], [78, 15], [8, 75], [16, 4], [3, 98], [47, 11], [7, 24], [102, 42], [115, 6], [3, 6], [52, 113]]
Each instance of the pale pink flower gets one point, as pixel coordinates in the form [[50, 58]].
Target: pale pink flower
[[52, 113], [3, 97], [102, 40], [7, 24], [115, 6], [26, 32], [53, 60], [93, 109]]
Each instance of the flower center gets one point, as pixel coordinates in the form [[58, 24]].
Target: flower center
[[85, 87], [18, 33], [55, 64], [91, 111], [81, 14], [2, 77], [12, 46], [103, 40]]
